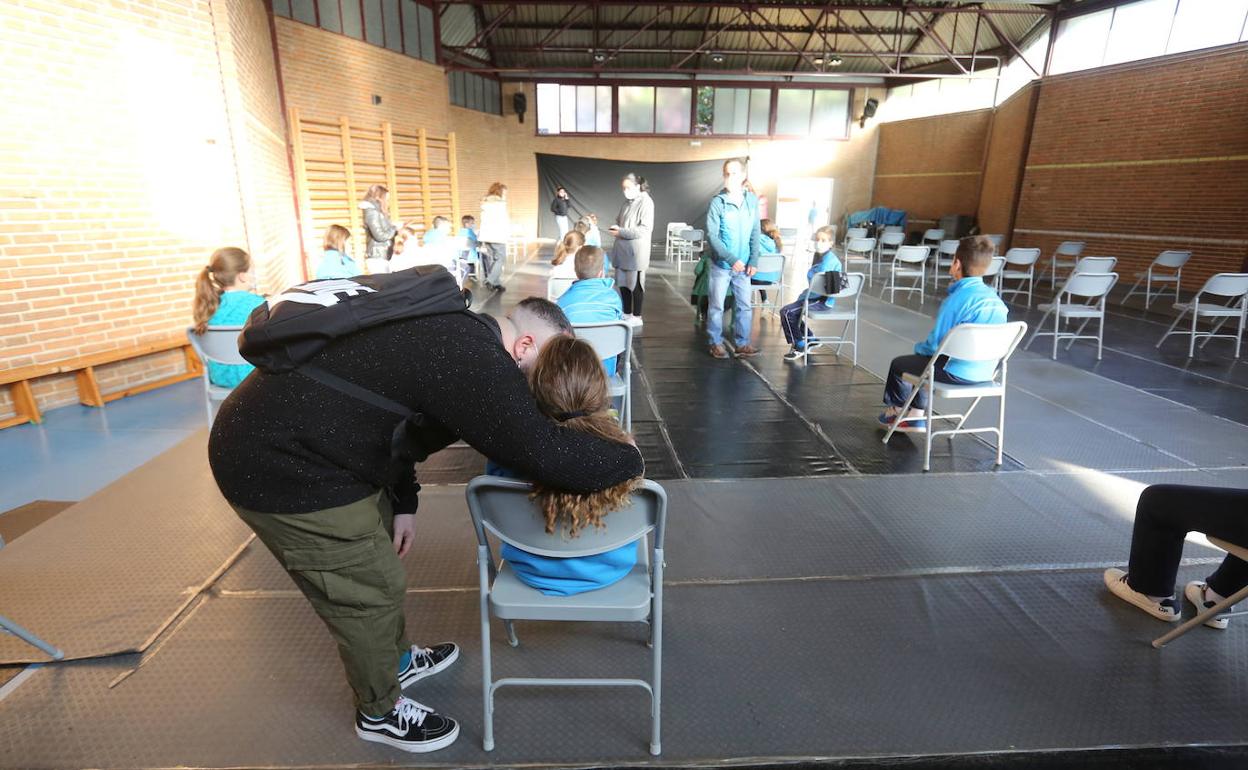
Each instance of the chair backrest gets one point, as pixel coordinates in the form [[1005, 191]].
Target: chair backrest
[[982, 342], [1172, 258], [771, 263], [1090, 285], [1096, 264], [674, 228], [853, 285], [894, 229], [219, 344], [1023, 257], [555, 287], [911, 254], [1070, 248], [996, 240], [949, 247], [892, 238], [864, 245], [693, 236], [502, 507], [935, 234], [609, 338], [1226, 285], [995, 266], [855, 232]]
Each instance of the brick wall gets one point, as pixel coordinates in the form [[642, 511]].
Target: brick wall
[[930, 167], [1003, 162], [1143, 157]]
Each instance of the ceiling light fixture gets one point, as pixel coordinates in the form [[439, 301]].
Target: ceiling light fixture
[[818, 60], [718, 58], [599, 56], [835, 61]]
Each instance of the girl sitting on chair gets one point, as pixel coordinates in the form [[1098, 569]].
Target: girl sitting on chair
[[223, 297], [570, 386]]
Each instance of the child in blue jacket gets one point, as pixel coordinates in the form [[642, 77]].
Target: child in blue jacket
[[592, 298], [223, 297], [336, 262], [824, 261]]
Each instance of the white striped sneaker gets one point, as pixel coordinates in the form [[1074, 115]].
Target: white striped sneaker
[[1195, 593], [408, 727]]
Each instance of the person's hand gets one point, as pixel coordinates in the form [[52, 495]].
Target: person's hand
[[404, 532], [751, 270], [738, 266], [613, 229]]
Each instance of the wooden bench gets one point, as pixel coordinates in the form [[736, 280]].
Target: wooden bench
[[27, 409]]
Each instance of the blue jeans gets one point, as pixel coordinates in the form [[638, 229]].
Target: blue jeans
[[897, 390], [742, 314], [791, 320]]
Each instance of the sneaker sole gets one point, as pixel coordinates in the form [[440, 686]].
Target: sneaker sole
[[409, 746], [1192, 593], [1131, 597], [411, 679]]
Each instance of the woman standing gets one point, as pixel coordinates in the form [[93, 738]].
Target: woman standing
[[631, 251], [492, 238], [379, 229]]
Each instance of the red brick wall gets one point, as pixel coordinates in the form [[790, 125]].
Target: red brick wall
[[1143, 157], [930, 167], [1003, 165]]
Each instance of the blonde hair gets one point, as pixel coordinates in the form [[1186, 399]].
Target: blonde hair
[[570, 386], [336, 237], [572, 240], [377, 195], [213, 280], [827, 230], [771, 231], [405, 232], [590, 261]]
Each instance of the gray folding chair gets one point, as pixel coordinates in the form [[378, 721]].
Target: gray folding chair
[[612, 339], [942, 260], [886, 249], [502, 508], [1020, 265], [993, 274], [1166, 260], [1233, 288], [1216, 610], [854, 232], [967, 342], [1082, 296], [1071, 249], [860, 251], [555, 287], [674, 229], [769, 263], [218, 344], [932, 237], [1095, 264], [844, 311], [688, 246], [908, 262], [996, 242]]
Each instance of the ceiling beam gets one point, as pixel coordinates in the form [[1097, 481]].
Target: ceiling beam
[[707, 41], [1031, 9]]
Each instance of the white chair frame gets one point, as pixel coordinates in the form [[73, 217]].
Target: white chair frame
[[1093, 289], [555, 287], [1024, 258], [1234, 287], [994, 272], [770, 263], [846, 298], [1217, 610], [932, 237], [1070, 249], [1171, 259], [887, 245], [501, 507], [942, 257], [971, 342], [860, 250], [612, 339], [218, 344], [1095, 265], [674, 229], [687, 246], [908, 262]]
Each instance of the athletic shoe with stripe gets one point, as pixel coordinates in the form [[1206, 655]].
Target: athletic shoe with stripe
[[427, 661], [410, 726]]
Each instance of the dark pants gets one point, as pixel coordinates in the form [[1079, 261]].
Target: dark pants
[[1165, 514], [631, 298], [897, 390], [791, 320], [492, 257]]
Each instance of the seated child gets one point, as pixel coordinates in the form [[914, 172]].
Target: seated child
[[407, 250], [823, 261], [469, 255], [570, 387], [439, 246], [562, 266], [592, 298], [336, 263], [223, 297]]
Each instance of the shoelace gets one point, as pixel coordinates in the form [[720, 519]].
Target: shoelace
[[410, 712], [423, 657]]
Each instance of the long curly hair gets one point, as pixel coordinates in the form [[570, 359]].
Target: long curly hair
[[570, 386]]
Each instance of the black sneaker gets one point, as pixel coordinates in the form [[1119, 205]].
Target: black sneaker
[[427, 661], [795, 354], [409, 727]]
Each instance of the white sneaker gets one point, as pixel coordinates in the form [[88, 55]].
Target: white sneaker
[[633, 320], [1195, 593], [1166, 609]]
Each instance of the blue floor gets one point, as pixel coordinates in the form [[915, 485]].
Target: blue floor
[[78, 450]]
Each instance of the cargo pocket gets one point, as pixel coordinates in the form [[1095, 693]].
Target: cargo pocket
[[347, 578]]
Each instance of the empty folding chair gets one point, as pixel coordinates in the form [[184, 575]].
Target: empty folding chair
[[674, 230], [502, 508], [1165, 261], [1219, 609], [996, 242], [218, 344], [908, 262], [844, 311], [691, 244], [933, 237], [1020, 265], [894, 229], [555, 287], [1069, 249], [769, 264], [860, 251], [887, 247], [1082, 296], [943, 260], [993, 274], [611, 339], [1233, 289], [967, 342], [1095, 264], [855, 232]]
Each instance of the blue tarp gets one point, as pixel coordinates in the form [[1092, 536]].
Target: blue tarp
[[880, 215]]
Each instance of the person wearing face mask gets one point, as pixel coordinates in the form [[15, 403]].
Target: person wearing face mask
[[824, 261], [559, 207], [732, 229], [631, 251], [314, 473]]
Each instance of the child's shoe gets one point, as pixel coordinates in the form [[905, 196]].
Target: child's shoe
[[1197, 593], [1165, 609]]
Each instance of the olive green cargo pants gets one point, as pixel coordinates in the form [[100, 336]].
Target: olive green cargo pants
[[343, 560]]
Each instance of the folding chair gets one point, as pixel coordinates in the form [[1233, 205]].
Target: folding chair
[[1070, 249], [609, 340], [888, 243], [1233, 287], [1024, 260], [1168, 260], [996, 242], [690, 245], [674, 229], [517, 244], [994, 273], [1238, 551], [908, 262], [502, 508], [1082, 296], [855, 232], [769, 263], [943, 259], [845, 309], [859, 250], [555, 287], [218, 344], [967, 342], [1095, 264], [894, 229], [933, 237]]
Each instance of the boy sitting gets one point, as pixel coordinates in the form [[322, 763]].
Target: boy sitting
[[592, 298]]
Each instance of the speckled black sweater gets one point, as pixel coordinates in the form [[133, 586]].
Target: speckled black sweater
[[288, 444]]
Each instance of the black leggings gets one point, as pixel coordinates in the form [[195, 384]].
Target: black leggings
[[631, 298], [1163, 517]]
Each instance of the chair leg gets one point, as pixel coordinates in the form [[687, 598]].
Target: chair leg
[[1134, 288], [905, 408], [1201, 617], [1078, 332], [966, 416], [1036, 331], [1172, 327], [656, 680], [1057, 327], [487, 694], [1001, 422], [1191, 342], [1100, 337], [927, 445], [512, 639]]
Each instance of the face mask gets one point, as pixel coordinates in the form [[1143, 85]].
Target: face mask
[[630, 192], [822, 248]]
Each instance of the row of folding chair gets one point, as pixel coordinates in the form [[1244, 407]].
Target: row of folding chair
[[687, 246]]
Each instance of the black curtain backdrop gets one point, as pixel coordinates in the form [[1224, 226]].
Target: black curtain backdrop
[[681, 191]]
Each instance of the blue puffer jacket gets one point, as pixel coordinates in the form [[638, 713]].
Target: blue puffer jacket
[[593, 300], [733, 230]]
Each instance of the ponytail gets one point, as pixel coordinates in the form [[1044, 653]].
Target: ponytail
[[218, 275]]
